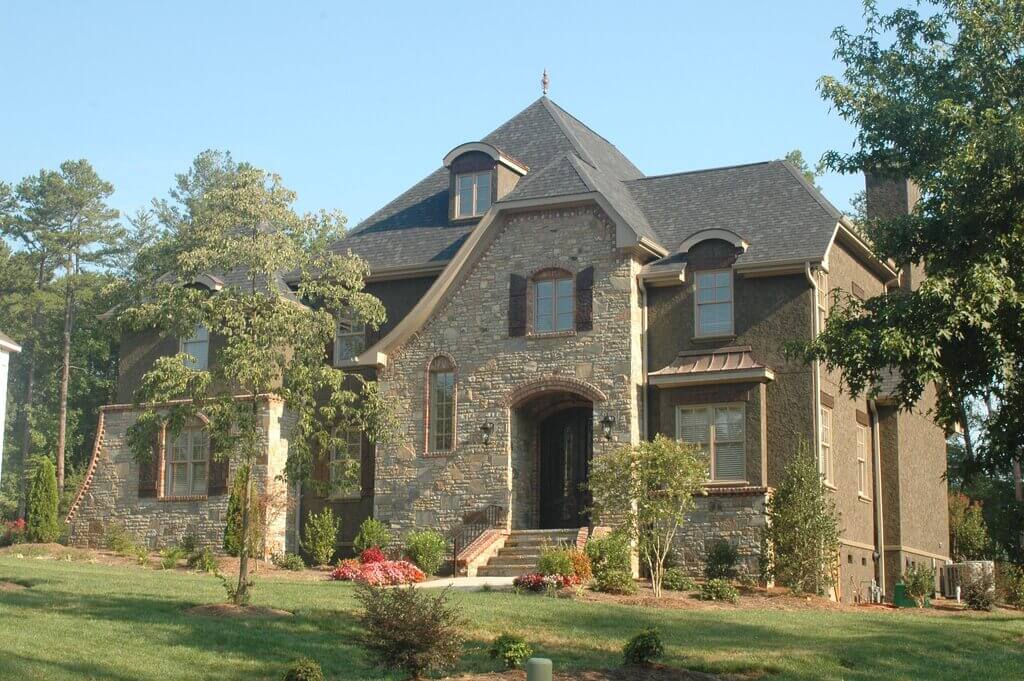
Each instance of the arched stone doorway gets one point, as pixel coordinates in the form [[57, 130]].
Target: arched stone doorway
[[552, 441]]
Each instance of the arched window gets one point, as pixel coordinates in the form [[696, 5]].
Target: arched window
[[441, 405]]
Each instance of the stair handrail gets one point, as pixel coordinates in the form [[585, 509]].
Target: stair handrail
[[474, 524]]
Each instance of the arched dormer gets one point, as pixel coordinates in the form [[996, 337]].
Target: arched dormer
[[714, 234], [480, 175]]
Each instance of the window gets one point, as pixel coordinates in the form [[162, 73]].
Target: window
[[441, 415], [472, 194], [187, 464], [826, 463], [349, 339], [822, 301], [714, 303], [862, 460], [553, 305], [347, 464], [198, 346], [720, 433]]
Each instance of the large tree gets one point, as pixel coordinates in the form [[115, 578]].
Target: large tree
[[936, 93], [272, 337]]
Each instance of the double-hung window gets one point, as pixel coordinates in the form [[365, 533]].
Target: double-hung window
[[714, 303], [198, 348], [862, 461], [472, 194], [822, 300], [720, 433], [553, 305], [826, 457], [349, 338], [441, 405], [187, 464], [346, 464]]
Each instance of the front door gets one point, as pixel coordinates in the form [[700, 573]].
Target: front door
[[566, 445]]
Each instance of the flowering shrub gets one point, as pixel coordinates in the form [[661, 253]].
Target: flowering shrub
[[372, 555], [378, 573], [535, 581], [14, 532]]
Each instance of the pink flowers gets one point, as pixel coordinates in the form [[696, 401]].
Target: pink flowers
[[372, 555], [535, 581], [14, 532], [375, 569]]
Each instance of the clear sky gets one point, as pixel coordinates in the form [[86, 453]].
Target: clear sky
[[353, 102]]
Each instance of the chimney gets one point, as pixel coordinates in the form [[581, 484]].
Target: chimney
[[886, 198]]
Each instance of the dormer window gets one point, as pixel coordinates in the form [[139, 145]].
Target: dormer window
[[473, 194]]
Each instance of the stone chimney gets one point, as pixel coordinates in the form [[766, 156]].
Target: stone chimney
[[888, 198]]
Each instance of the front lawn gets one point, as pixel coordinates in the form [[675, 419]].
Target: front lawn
[[81, 620]]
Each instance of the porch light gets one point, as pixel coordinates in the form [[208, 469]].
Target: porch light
[[485, 430], [606, 426]]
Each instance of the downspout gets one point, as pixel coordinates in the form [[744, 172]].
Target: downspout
[[816, 370], [877, 465], [642, 289]]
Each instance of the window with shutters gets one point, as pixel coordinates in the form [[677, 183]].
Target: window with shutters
[[187, 464], [472, 194], [441, 405], [826, 456], [346, 464], [197, 346], [862, 461], [349, 338], [714, 299], [720, 432]]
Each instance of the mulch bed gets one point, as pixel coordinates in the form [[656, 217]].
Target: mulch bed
[[632, 673], [11, 586], [230, 610]]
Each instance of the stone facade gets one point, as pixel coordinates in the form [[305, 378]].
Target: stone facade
[[738, 518]]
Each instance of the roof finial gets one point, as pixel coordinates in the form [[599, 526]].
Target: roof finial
[[544, 83]]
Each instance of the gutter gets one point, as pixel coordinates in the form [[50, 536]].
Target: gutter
[[816, 372], [876, 464]]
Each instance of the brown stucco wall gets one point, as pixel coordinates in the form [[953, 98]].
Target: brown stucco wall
[[138, 352], [398, 297]]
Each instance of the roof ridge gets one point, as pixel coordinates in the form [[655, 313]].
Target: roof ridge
[[553, 111], [570, 115], [701, 170], [815, 193]]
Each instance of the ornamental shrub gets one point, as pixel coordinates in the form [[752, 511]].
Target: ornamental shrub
[[202, 560], [233, 527], [372, 555], [321, 535], [581, 567], [979, 591], [379, 573], [1013, 586], [170, 556], [511, 649], [14, 533], [718, 590], [372, 533], [919, 581], [609, 553], [41, 514], [555, 560], [537, 582], [721, 560], [677, 580], [618, 582], [643, 648], [289, 561], [426, 548], [411, 629], [304, 669]]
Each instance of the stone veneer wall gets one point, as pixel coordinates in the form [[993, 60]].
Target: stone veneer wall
[[112, 496], [737, 518], [413, 489]]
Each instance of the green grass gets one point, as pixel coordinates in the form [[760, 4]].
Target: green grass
[[86, 621]]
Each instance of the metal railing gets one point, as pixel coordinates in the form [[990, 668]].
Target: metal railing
[[473, 525]]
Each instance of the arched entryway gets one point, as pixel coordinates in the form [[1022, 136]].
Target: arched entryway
[[552, 440]]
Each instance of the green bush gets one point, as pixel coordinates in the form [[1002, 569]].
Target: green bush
[[288, 561], [721, 561], [124, 543], [189, 542], [1013, 586], [426, 548], [555, 560], [718, 590], [979, 591], [321, 536], [411, 629], [609, 553], [644, 648], [619, 582], [372, 533], [511, 649], [304, 669], [41, 511], [202, 560], [233, 527], [919, 582], [677, 580], [170, 556]]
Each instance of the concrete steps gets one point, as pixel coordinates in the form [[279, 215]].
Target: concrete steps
[[522, 550]]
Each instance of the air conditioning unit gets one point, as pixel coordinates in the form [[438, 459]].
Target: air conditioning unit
[[959, 574]]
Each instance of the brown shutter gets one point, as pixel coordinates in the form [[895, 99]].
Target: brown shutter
[[218, 477], [585, 299], [149, 473], [517, 286]]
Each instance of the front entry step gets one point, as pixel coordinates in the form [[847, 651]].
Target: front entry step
[[522, 550]]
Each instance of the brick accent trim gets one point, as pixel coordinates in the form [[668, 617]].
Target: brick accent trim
[[552, 383], [90, 471], [427, 452]]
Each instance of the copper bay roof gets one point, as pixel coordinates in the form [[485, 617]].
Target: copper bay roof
[[722, 365]]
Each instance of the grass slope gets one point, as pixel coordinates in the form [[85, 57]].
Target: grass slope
[[87, 621]]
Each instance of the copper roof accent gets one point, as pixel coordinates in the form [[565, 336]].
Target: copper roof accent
[[719, 365]]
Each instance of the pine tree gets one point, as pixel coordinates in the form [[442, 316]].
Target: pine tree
[[43, 525]]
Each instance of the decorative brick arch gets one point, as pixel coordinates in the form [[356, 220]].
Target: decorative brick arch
[[547, 384]]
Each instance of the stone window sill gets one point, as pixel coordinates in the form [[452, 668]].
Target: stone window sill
[[553, 334], [831, 486], [193, 497], [439, 455], [866, 500], [727, 483], [712, 339]]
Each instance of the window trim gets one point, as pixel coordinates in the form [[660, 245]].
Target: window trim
[[475, 212], [827, 464], [361, 334], [553, 275], [191, 340], [334, 494], [711, 440], [697, 304], [428, 449], [863, 452], [821, 302], [165, 481]]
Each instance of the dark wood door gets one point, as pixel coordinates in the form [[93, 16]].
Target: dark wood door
[[566, 445]]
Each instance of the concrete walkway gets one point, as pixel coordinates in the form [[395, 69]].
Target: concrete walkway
[[467, 583]]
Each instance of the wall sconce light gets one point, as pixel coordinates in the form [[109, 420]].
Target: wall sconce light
[[485, 430], [606, 426]]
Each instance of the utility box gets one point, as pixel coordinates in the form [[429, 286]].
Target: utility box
[[960, 574], [901, 600]]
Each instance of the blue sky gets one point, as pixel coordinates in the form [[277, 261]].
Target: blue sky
[[353, 103]]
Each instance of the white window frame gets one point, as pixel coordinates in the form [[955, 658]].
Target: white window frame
[[197, 442], [353, 451], [822, 300], [551, 305], [710, 446], [862, 461], [826, 457], [697, 304], [355, 332], [200, 338], [474, 210]]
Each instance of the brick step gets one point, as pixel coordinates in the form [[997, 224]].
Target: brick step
[[521, 565], [497, 571], [519, 552]]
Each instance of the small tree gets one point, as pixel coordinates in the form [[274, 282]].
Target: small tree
[[803, 528], [43, 525], [321, 536], [650, 487], [968, 534], [233, 526]]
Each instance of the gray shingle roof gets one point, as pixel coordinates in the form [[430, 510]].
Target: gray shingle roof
[[770, 205]]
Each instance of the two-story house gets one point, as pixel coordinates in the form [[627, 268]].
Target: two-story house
[[546, 302]]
